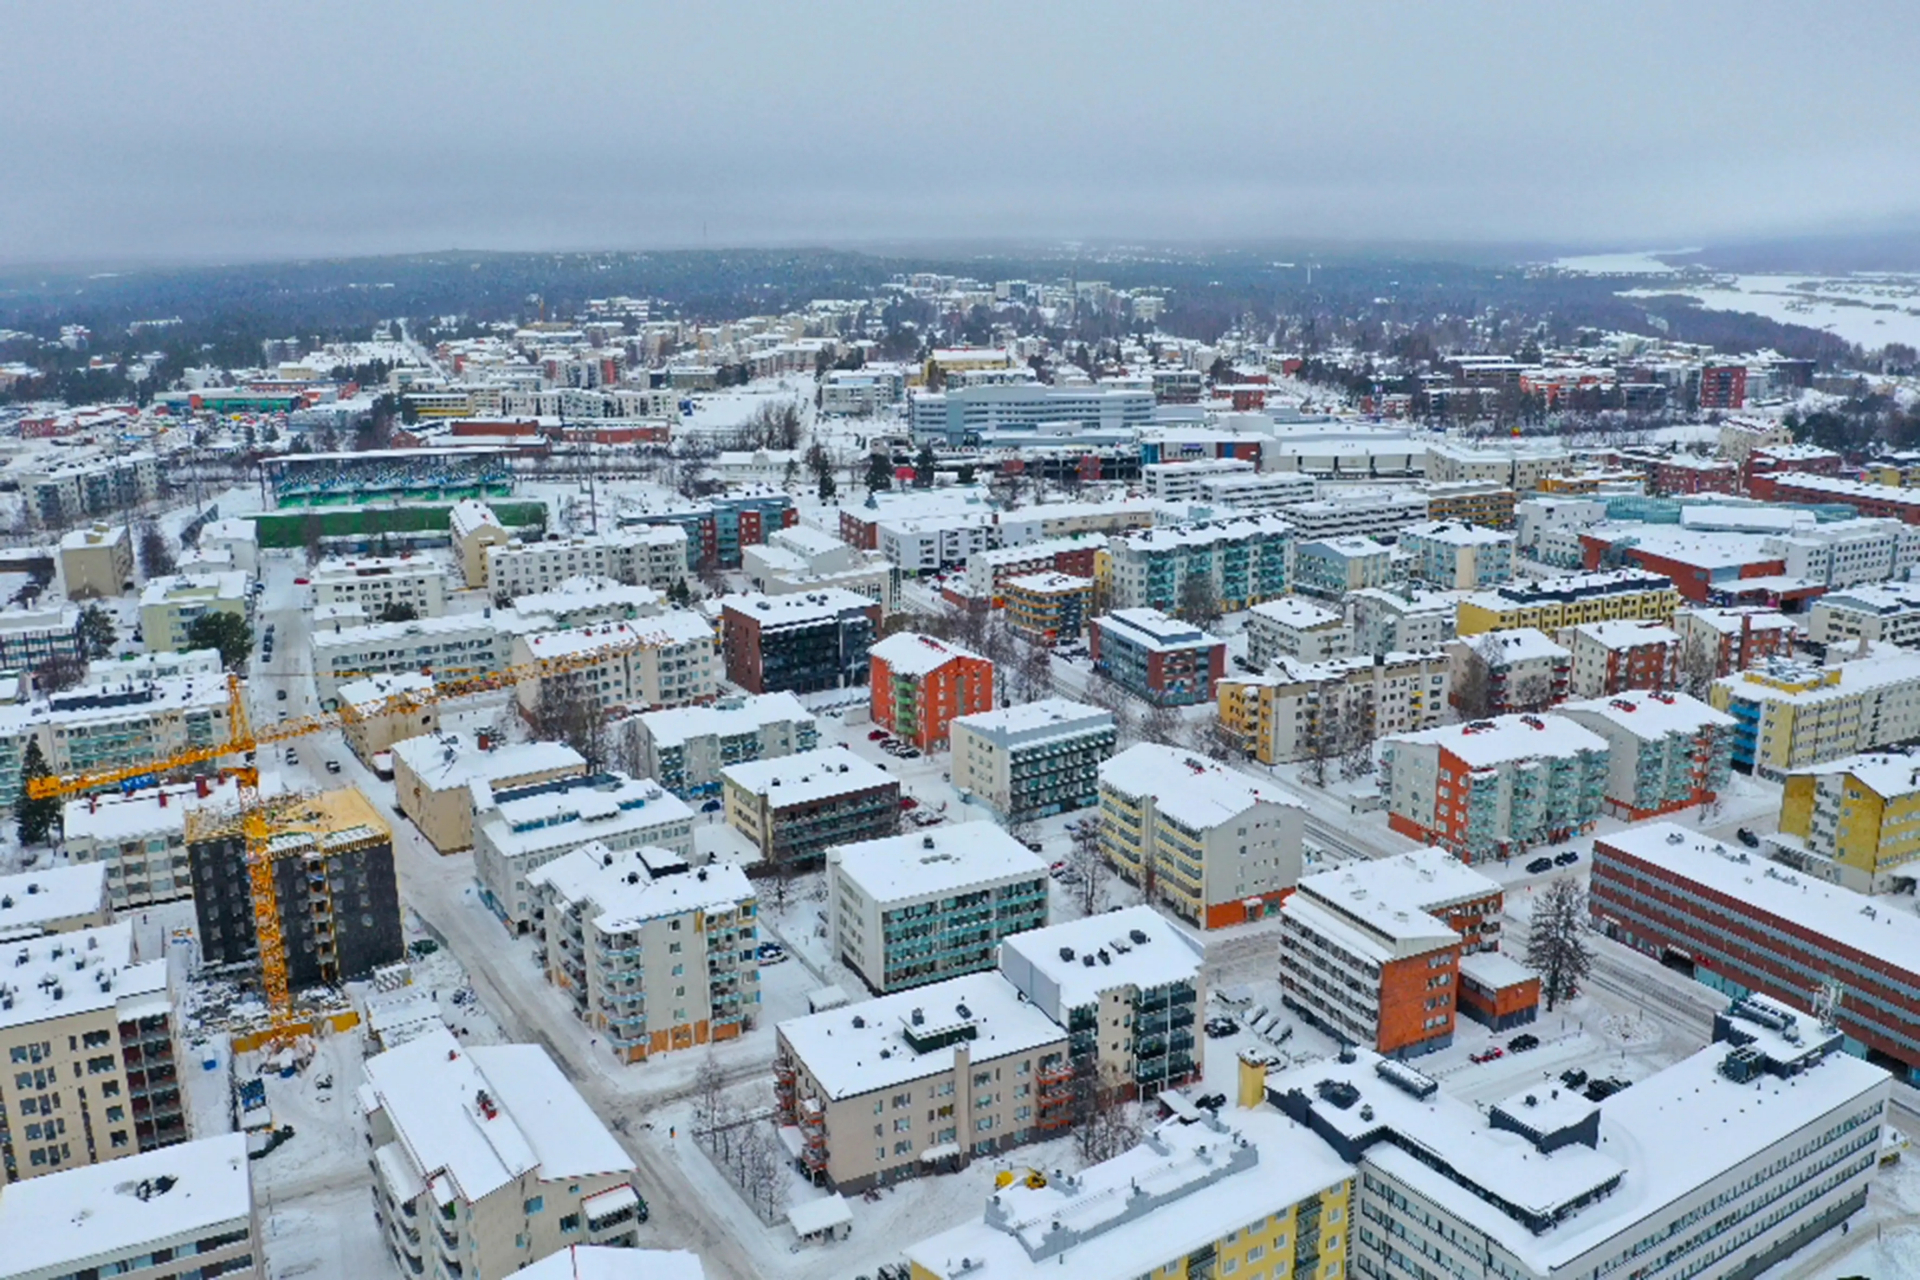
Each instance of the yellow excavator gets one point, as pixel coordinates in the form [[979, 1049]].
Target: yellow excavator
[[1007, 1177]]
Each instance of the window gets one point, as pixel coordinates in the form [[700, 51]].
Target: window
[[570, 1222], [536, 1204]]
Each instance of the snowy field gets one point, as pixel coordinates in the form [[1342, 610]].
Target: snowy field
[[1644, 263], [1868, 310]]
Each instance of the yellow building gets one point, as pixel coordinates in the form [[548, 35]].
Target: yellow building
[[97, 561], [1855, 821], [1481, 502], [1251, 1194], [1554, 604], [1790, 716]]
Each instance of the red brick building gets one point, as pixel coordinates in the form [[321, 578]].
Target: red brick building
[[1866, 499], [1809, 459], [1686, 474], [1739, 638], [1723, 386], [1498, 991], [919, 684]]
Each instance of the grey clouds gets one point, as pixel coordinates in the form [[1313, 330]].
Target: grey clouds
[[210, 129]]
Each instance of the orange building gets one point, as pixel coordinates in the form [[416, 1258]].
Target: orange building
[[920, 684], [1498, 991]]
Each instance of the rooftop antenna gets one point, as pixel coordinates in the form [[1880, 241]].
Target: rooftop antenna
[[1826, 1002]]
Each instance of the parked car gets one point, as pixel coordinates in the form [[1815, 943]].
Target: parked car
[[1523, 1042], [876, 735], [1573, 1078], [1217, 1027], [910, 753], [1747, 838], [1489, 1053], [771, 953], [909, 804], [333, 766], [711, 806], [279, 695], [292, 758], [1566, 859], [1540, 864], [1032, 844], [1601, 1090], [1057, 867], [299, 582]]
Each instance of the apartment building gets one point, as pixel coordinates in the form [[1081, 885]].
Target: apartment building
[[908, 910], [1300, 710], [1482, 502], [1537, 518], [1356, 513], [139, 668], [95, 727], [587, 600], [1457, 556], [381, 585], [1494, 788], [1720, 1186], [1127, 987], [486, 1160], [800, 643], [648, 951], [1745, 927], [1501, 671], [55, 900], [1847, 553], [860, 393], [77, 1007], [644, 555], [63, 489], [1666, 751], [33, 637], [1032, 760], [1231, 1192], [452, 647], [1613, 657], [989, 571], [1268, 491], [1372, 957], [169, 605], [334, 886], [434, 776], [1520, 467], [1332, 567], [1179, 482], [942, 1075], [1292, 627], [475, 528], [798, 559], [237, 538], [685, 748], [97, 562], [386, 710], [1167, 662], [920, 544], [663, 661], [1242, 559], [1790, 715], [1876, 501], [1400, 619], [919, 684], [1217, 846], [1888, 612], [1048, 608], [194, 1200], [1554, 604], [137, 840], [1735, 639], [518, 829], [965, 414], [1854, 821], [793, 809]]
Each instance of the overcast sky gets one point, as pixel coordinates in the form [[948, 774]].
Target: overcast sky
[[245, 129]]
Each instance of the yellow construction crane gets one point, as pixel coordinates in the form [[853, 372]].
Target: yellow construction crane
[[255, 819]]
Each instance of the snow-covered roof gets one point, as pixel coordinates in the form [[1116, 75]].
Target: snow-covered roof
[[33, 898], [1205, 1180], [1349, 546], [908, 653], [1887, 773], [600, 807], [633, 886], [178, 587], [1838, 917], [1294, 611], [1044, 549], [1778, 681], [1205, 533], [681, 626], [1518, 644], [94, 535], [1185, 786], [1883, 598], [857, 1049], [608, 1262], [1482, 744], [1626, 633], [93, 1213], [1152, 629], [142, 814], [1494, 970], [483, 1115], [1066, 965], [1648, 715], [806, 776], [1427, 879], [374, 690], [1571, 587], [1048, 583], [449, 759], [1729, 621], [672, 726], [61, 974], [348, 568], [795, 609], [469, 515], [935, 861], [1040, 721], [586, 590], [1456, 533]]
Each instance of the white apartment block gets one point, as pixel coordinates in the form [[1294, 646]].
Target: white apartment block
[[54, 900], [93, 727], [1216, 846], [931, 905], [1886, 611], [1365, 513], [1179, 482], [585, 600], [169, 605], [1032, 760], [927, 544], [645, 555], [648, 951], [1520, 467], [139, 839], [378, 583], [518, 830], [1621, 654], [1535, 518], [65, 488], [1293, 627], [987, 570], [663, 661], [452, 646], [1270, 491], [1400, 619], [685, 748], [798, 558], [1847, 552], [486, 1160], [190, 1203]]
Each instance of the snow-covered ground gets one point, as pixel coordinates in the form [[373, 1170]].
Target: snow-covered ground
[[1644, 263], [1870, 310]]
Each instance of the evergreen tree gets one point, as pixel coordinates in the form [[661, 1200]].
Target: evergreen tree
[[1556, 943], [879, 471], [36, 818], [227, 632], [97, 632], [923, 467]]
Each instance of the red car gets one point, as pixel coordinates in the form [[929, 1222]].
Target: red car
[[909, 804], [299, 582], [1488, 1055], [876, 735]]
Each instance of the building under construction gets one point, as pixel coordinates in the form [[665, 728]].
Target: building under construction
[[339, 904]]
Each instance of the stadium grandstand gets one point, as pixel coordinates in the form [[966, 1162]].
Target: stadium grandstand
[[389, 475]]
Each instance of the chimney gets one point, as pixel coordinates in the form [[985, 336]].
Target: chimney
[[200, 787], [163, 797]]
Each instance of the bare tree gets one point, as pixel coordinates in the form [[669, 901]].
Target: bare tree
[[1356, 761], [156, 555], [1556, 940], [1532, 692], [762, 1172], [1033, 673], [1199, 601], [1104, 1124], [1162, 724], [1323, 733], [1699, 665], [569, 710], [1088, 867], [1473, 691]]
